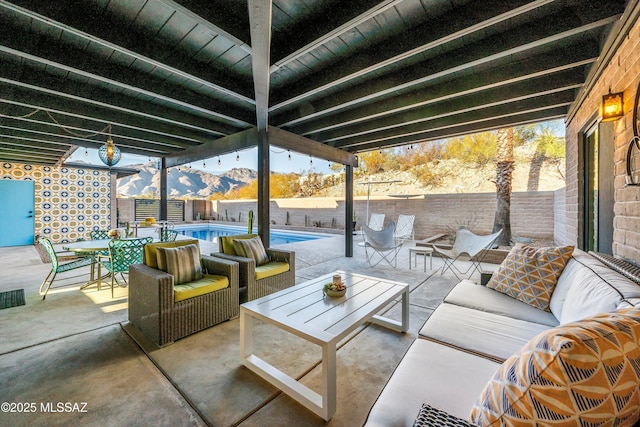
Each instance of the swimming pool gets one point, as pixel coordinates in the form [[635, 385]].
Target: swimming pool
[[211, 232]]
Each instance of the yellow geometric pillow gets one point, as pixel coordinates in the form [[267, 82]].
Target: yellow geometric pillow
[[581, 373], [530, 274]]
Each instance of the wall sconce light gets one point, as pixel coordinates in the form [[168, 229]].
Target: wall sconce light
[[109, 153], [612, 106]]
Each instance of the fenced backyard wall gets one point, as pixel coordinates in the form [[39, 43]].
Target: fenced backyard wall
[[532, 213]]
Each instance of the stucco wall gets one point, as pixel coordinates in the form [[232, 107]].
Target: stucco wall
[[621, 75]]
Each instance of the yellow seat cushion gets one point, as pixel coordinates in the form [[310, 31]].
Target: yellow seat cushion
[[225, 243], [271, 269], [209, 283], [151, 250]]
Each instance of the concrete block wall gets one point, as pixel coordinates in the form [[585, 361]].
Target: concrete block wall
[[622, 74], [532, 213], [560, 219]]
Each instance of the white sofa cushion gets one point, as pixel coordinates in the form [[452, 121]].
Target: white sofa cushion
[[471, 295], [479, 332], [587, 287], [444, 377]]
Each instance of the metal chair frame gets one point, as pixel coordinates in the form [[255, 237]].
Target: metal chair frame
[[57, 267], [381, 243], [468, 247], [404, 228], [122, 254], [376, 221], [167, 235]]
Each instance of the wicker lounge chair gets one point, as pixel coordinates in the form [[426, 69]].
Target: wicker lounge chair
[[257, 281], [152, 299]]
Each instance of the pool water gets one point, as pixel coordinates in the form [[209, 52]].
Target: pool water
[[211, 232]]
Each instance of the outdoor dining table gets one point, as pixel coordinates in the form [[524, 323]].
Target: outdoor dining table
[[91, 247], [88, 248]]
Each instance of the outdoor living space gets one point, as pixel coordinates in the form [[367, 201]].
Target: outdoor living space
[[311, 116], [77, 347]]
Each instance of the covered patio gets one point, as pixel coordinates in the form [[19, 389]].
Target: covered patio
[[183, 80], [79, 347]]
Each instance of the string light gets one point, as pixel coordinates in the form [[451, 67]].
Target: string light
[[310, 160], [237, 156], [219, 162], [190, 165], [289, 151], [204, 165], [86, 151]]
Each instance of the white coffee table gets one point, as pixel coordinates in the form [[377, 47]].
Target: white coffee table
[[303, 311]]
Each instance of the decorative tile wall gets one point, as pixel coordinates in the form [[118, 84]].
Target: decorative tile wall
[[69, 202]]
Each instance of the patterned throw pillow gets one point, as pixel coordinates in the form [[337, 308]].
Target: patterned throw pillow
[[581, 373], [183, 263], [252, 248], [530, 274]]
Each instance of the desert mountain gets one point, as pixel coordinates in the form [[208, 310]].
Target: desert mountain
[[182, 182]]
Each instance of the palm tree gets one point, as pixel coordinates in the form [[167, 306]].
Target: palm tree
[[504, 171]]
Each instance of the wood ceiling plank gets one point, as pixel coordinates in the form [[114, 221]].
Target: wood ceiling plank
[[575, 57], [412, 43], [567, 81], [227, 18], [484, 53], [178, 136], [389, 138], [124, 104], [116, 34], [68, 61], [461, 129]]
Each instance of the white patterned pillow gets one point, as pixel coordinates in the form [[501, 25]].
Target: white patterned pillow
[[183, 263], [530, 274], [251, 248], [581, 373]]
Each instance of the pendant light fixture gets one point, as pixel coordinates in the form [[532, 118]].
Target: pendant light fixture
[[109, 153]]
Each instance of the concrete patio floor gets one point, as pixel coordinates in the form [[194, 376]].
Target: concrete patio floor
[[75, 359]]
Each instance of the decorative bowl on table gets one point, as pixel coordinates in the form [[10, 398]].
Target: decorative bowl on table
[[334, 290]]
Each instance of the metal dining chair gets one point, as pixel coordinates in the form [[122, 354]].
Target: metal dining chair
[[122, 254], [168, 235], [57, 267]]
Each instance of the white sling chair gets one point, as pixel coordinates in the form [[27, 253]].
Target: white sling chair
[[404, 228], [467, 247], [376, 221], [381, 243]]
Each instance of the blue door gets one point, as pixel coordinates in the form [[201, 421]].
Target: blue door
[[16, 212]]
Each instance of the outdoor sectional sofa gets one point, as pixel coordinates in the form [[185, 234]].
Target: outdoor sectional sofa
[[480, 342]]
